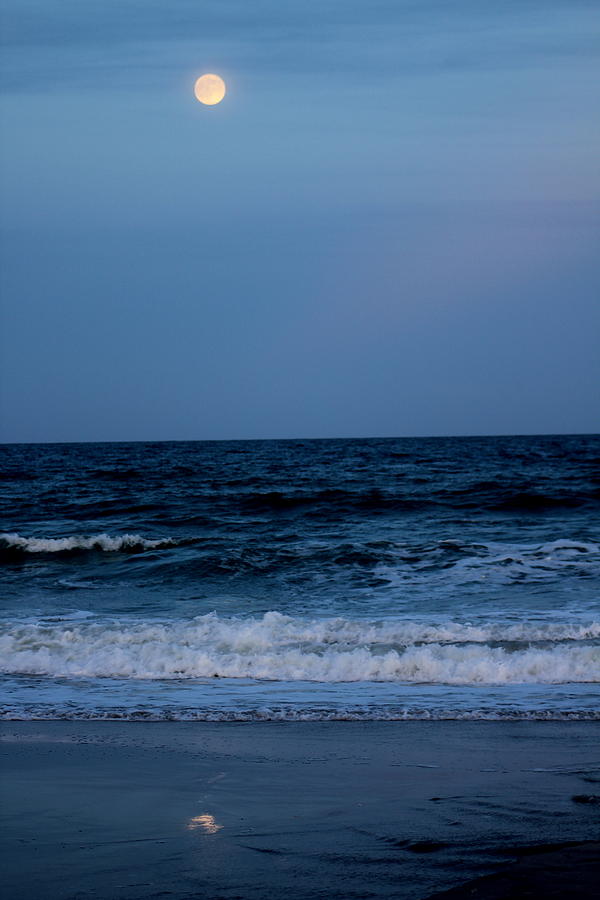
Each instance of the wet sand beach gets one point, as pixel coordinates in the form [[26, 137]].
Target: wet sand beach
[[261, 810], [540, 871]]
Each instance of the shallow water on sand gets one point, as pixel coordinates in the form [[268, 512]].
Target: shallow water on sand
[[361, 809]]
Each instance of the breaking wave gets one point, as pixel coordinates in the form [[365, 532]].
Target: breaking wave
[[132, 543], [387, 561], [284, 648]]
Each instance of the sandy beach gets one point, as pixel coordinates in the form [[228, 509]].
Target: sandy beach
[[341, 810]]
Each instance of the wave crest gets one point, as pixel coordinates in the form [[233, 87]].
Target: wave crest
[[132, 543], [282, 648]]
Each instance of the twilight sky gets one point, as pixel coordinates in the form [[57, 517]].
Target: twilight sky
[[390, 226]]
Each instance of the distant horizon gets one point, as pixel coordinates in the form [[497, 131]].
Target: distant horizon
[[369, 437]]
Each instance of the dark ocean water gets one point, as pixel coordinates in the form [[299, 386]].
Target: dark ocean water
[[381, 578]]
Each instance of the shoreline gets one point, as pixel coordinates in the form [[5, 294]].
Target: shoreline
[[330, 809]]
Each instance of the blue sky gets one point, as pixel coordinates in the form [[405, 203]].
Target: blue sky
[[388, 227]]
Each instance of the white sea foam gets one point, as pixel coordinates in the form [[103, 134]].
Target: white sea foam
[[104, 542], [492, 562], [284, 648]]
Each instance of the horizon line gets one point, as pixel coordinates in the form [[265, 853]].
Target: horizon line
[[540, 434]]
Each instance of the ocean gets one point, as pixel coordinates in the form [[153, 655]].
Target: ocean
[[370, 579]]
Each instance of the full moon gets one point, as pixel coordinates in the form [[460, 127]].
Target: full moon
[[209, 89]]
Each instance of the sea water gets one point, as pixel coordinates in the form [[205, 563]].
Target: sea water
[[308, 579]]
